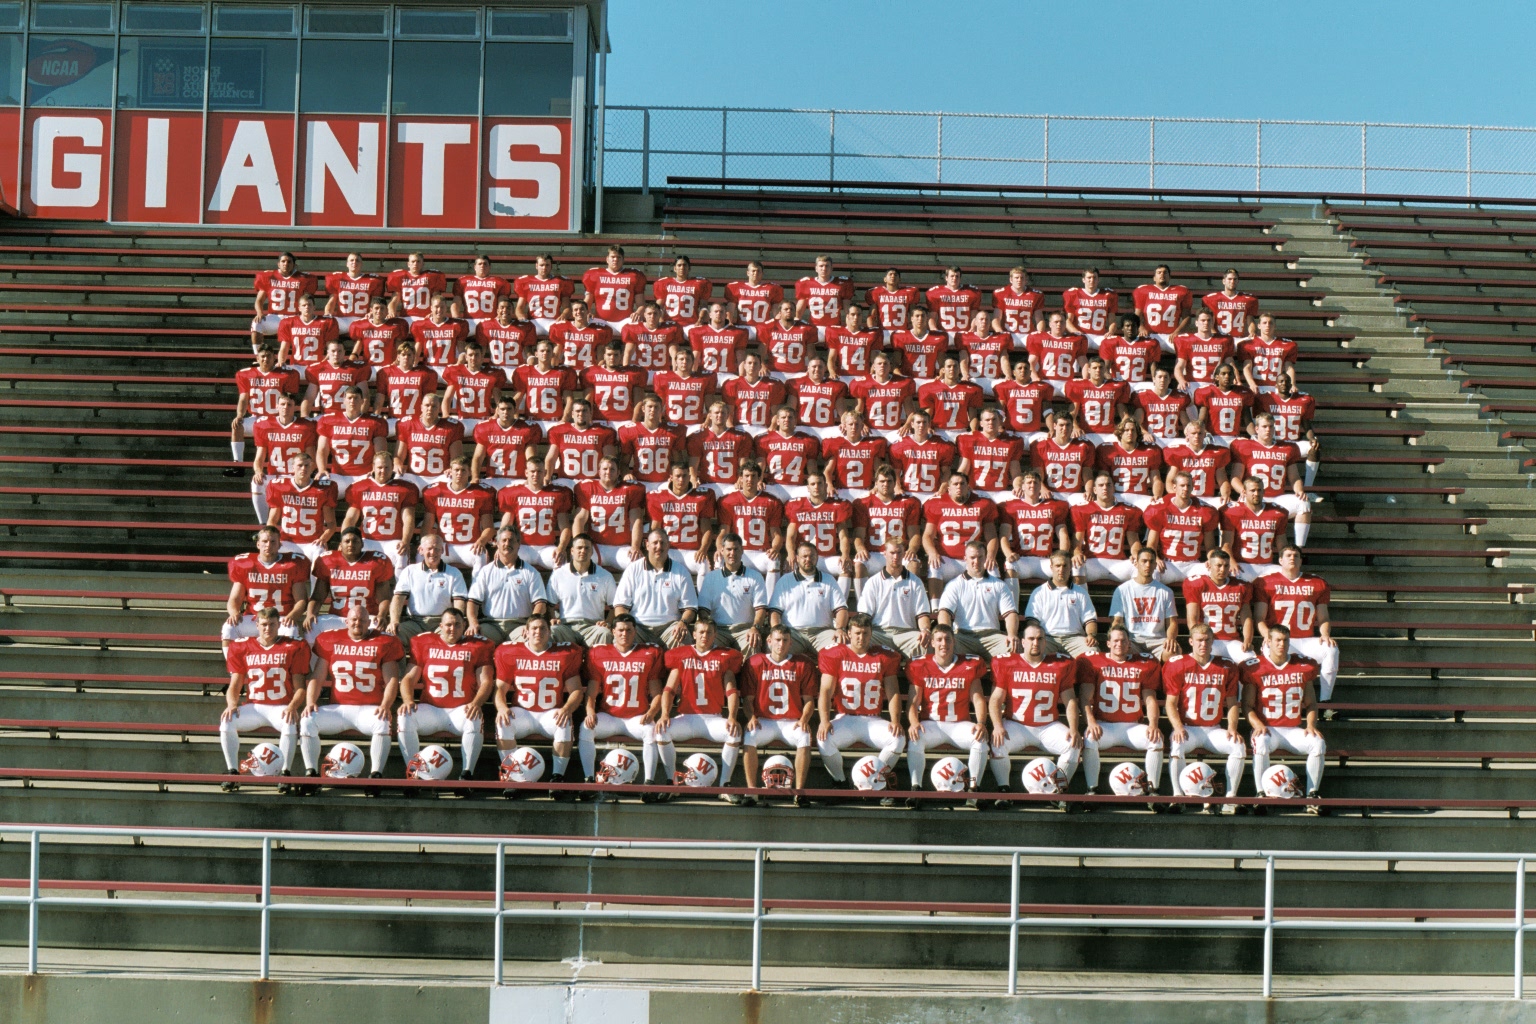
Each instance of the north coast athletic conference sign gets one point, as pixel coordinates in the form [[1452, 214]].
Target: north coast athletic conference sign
[[442, 172]]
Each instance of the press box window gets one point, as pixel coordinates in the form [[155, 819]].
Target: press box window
[[236, 19], [344, 76], [424, 23], [436, 78], [515, 24], [70, 71], [187, 18], [72, 17], [252, 74], [161, 73], [528, 79], [345, 21]]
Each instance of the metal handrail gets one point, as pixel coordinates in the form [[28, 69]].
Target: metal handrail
[[759, 916]]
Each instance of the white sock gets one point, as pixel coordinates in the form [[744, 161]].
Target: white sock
[[1154, 768], [586, 748], [858, 586], [229, 742], [832, 761], [1175, 769], [1000, 766], [286, 745], [473, 741], [648, 760], [1302, 530], [378, 751], [1311, 473], [728, 755], [978, 761], [309, 748], [237, 449], [771, 580], [560, 765], [668, 752]]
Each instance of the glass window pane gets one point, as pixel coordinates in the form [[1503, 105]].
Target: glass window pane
[[165, 73], [10, 17], [346, 21], [252, 74], [436, 78], [345, 76], [528, 79], [163, 18], [413, 21], [535, 24], [234, 18], [72, 17], [70, 71], [11, 66]]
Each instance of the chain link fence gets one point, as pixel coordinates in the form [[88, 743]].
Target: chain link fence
[[643, 145]]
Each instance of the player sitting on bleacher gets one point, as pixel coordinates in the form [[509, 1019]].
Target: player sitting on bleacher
[[277, 296], [350, 293], [258, 387], [265, 578], [361, 666], [270, 670]]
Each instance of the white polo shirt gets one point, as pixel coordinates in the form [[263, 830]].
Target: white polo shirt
[[507, 591], [895, 602], [1146, 607], [1061, 611], [809, 602], [585, 597], [430, 593], [978, 603], [733, 598], [656, 597]]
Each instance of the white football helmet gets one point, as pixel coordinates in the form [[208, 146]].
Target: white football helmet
[[949, 775], [619, 768], [432, 763], [264, 760], [345, 761], [697, 770], [868, 775], [1198, 779], [1280, 783], [778, 773], [1043, 776], [1127, 779], [522, 765]]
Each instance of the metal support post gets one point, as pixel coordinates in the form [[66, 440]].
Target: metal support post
[[757, 920], [501, 905], [1520, 928], [1013, 928], [1269, 927], [645, 152], [34, 879], [266, 908], [725, 115]]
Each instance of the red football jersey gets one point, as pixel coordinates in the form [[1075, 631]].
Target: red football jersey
[[379, 341], [684, 400], [1035, 692], [625, 679], [580, 450], [1269, 358], [701, 685], [270, 673], [1057, 358], [1269, 463], [1090, 312], [891, 305], [923, 467], [753, 404], [457, 513], [283, 292], [353, 294], [262, 390], [859, 679], [357, 666], [852, 464], [1180, 531], [1133, 470], [403, 389], [536, 513], [1288, 413], [787, 347], [506, 447], [819, 524], [449, 672], [354, 582], [1130, 359], [1224, 409], [853, 349], [651, 347], [1162, 415], [269, 586], [615, 294], [428, 450], [953, 307], [1107, 532], [1119, 687], [1024, 404], [1202, 691], [300, 509], [717, 457], [900, 518], [382, 506], [684, 516], [787, 460], [1096, 402], [474, 394], [543, 297], [415, 290], [984, 354], [306, 339], [439, 344], [649, 452], [1260, 535], [1206, 468], [1292, 603], [951, 405], [1064, 466], [1035, 526], [1017, 310], [1202, 355], [1281, 689], [920, 356], [544, 391], [611, 514], [1162, 309], [508, 345], [817, 403], [1232, 312], [823, 299], [614, 391], [579, 347], [943, 695], [538, 677], [883, 403], [1218, 606], [754, 303], [478, 295], [351, 441], [718, 351], [957, 524], [780, 690], [753, 521]]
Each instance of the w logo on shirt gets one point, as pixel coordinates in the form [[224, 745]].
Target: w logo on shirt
[[1146, 607]]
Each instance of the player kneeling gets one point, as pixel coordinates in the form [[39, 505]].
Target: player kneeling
[[547, 679], [271, 669], [1203, 700], [1280, 696], [947, 708], [1029, 688], [627, 675], [362, 667], [701, 683], [783, 689], [1117, 691], [859, 677], [454, 671]]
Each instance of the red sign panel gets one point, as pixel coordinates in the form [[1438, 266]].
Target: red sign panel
[[432, 172], [527, 174], [66, 155], [248, 176], [157, 175]]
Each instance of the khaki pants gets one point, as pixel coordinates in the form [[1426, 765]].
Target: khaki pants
[[812, 639], [653, 635], [583, 632], [983, 643], [503, 631], [412, 626], [1073, 645], [908, 641], [735, 637]]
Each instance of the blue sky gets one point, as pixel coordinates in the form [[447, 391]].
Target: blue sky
[[1412, 60]]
